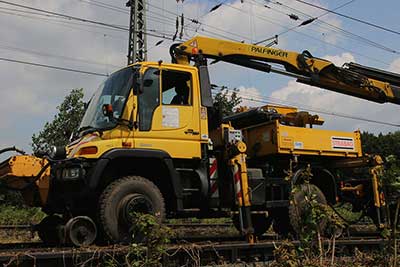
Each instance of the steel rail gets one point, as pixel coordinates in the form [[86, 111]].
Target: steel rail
[[177, 254]]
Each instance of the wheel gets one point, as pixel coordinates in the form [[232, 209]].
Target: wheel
[[261, 223], [49, 229], [280, 221], [299, 209], [81, 231], [121, 200]]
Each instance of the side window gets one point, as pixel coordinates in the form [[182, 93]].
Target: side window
[[176, 88], [149, 99]]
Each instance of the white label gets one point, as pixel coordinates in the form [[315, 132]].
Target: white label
[[204, 136], [170, 117], [298, 145], [345, 143]]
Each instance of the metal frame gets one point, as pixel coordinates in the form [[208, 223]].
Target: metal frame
[[137, 46]]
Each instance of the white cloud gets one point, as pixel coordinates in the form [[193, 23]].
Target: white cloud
[[250, 96], [339, 60]]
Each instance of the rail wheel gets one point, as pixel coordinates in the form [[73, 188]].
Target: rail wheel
[[300, 205], [81, 231], [122, 200], [261, 223], [49, 229]]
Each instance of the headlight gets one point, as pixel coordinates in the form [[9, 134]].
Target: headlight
[[57, 152], [72, 173]]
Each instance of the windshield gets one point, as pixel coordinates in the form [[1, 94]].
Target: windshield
[[112, 91]]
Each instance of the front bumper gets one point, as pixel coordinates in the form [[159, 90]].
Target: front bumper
[[70, 187]]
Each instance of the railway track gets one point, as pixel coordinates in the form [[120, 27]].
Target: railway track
[[202, 249], [172, 225], [198, 253]]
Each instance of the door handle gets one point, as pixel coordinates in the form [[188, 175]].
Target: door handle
[[191, 131]]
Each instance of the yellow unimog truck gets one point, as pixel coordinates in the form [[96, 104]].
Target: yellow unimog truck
[[151, 141]]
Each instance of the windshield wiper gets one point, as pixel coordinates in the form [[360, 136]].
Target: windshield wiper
[[89, 129], [123, 122]]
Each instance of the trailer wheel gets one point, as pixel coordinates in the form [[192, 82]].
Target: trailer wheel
[[261, 223], [121, 200], [298, 207]]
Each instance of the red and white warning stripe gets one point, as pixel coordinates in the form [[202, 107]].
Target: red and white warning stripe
[[214, 178], [237, 183]]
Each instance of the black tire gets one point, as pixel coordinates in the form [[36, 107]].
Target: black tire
[[126, 193], [261, 223], [281, 222], [298, 207]]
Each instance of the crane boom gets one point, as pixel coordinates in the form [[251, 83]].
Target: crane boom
[[351, 79]]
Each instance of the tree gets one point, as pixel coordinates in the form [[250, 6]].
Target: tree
[[58, 132], [382, 144], [226, 101]]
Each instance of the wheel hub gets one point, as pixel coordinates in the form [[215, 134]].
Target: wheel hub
[[133, 204], [81, 231]]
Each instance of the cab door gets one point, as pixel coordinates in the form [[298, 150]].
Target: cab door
[[168, 116]]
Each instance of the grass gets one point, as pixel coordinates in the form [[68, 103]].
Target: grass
[[13, 215]]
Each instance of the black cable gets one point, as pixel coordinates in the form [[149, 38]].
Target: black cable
[[351, 18], [53, 67], [66, 16], [112, 28], [13, 148], [337, 29], [311, 37], [43, 54]]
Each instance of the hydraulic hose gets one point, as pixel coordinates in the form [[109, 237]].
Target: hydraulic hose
[[13, 148]]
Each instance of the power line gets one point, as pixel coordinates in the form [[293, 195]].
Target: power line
[[192, 20], [64, 23], [65, 16], [53, 67], [96, 24], [312, 37], [351, 18], [39, 53], [332, 27]]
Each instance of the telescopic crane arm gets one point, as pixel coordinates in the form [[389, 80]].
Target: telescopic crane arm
[[351, 79]]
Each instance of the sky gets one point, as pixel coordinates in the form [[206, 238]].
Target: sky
[[31, 94]]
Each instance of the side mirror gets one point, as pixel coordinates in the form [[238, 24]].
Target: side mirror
[[137, 84], [108, 110]]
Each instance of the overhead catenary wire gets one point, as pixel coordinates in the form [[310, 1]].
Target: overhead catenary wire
[[350, 17], [333, 27], [116, 27], [159, 16], [64, 15], [313, 38], [111, 26], [44, 54], [53, 67]]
